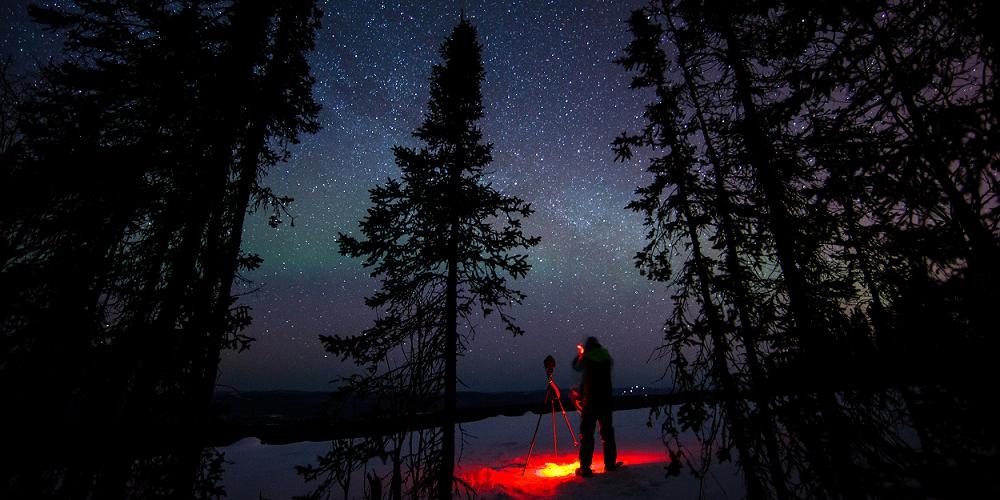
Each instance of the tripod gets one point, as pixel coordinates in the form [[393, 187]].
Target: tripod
[[552, 397]]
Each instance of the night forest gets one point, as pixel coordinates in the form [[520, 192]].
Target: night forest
[[821, 205]]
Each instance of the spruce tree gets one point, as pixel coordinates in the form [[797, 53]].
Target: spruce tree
[[690, 205], [442, 240], [142, 152], [848, 148]]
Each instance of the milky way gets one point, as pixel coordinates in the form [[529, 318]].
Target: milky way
[[554, 100]]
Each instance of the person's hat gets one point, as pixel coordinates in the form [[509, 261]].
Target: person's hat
[[591, 343]]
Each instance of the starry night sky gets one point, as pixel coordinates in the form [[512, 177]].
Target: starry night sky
[[554, 100]]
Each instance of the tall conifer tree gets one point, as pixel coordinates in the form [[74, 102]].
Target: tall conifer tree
[[142, 151], [441, 238], [847, 146]]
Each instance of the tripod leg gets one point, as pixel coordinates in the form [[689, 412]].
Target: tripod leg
[[568, 426], [555, 447], [533, 436]]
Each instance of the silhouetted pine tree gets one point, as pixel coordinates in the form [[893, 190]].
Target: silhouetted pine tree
[[835, 231], [936, 100], [925, 95], [124, 269], [679, 210], [440, 239]]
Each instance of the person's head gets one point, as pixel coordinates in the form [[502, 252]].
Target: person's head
[[591, 343]]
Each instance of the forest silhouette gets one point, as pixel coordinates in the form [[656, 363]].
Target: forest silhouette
[[822, 207]]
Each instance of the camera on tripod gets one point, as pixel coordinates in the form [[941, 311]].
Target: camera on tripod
[[553, 398], [550, 364]]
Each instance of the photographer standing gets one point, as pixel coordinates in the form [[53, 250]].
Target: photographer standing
[[596, 405]]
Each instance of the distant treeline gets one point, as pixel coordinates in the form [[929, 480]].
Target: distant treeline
[[279, 417]]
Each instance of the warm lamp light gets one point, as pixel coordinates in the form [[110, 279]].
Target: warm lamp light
[[557, 470]]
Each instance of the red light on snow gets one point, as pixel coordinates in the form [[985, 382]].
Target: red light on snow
[[557, 470], [546, 472]]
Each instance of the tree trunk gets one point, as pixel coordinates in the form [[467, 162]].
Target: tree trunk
[[450, 370]]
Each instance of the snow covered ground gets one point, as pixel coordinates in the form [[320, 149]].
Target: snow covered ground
[[492, 460]]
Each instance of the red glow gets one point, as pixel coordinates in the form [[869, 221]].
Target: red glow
[[545, 473], [557, 470]]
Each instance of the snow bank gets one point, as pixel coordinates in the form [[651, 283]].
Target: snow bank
[[492, 459]]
